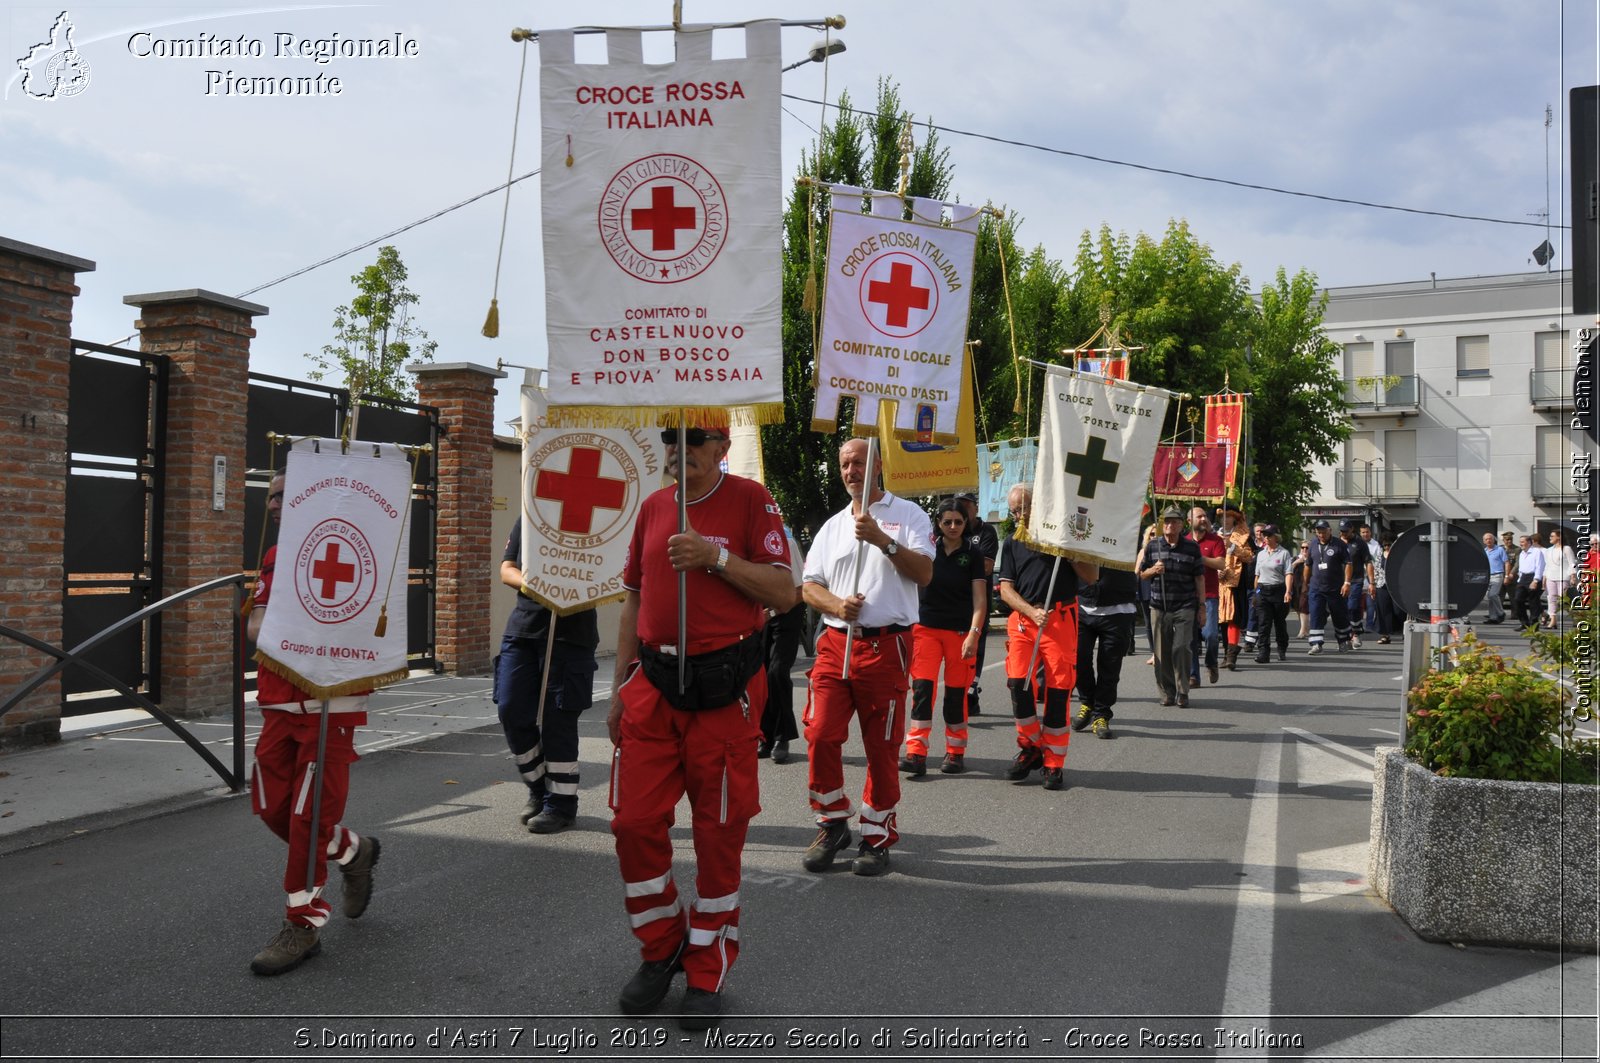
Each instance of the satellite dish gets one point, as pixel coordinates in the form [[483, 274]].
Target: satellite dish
[[1466, 573]]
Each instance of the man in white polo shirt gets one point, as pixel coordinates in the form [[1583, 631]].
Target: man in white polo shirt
[[894, 540]]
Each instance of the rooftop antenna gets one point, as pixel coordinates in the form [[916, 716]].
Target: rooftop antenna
[[1545, 253]]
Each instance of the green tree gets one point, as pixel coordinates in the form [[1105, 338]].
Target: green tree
[[374, 334], [1298, 411]]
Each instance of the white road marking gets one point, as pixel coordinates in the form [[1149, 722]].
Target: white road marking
[[1248, 993], [1342, 750], [1325, 873]]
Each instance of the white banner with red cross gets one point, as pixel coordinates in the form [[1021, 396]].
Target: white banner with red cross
[[662, 204], [894, 313], [581, 490], [336, 619]]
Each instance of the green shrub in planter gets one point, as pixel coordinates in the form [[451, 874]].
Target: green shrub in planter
[[1490, 718]]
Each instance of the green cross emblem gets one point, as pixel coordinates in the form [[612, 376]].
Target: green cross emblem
[[1091, 467]]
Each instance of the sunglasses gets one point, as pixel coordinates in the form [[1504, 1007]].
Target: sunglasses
[[695, 437]]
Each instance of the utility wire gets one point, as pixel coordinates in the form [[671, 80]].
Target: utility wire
[[394, 232], [1192, 176]]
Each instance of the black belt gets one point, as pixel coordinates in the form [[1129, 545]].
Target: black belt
[[878, 632]]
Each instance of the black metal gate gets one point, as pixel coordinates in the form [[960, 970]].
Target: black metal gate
[[291, 407], [116, 427]]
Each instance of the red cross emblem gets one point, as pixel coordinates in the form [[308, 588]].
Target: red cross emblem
[[662, 219], [899, 294], [580, 490], [330, 572]]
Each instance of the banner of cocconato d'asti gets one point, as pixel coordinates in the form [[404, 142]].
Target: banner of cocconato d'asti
[[894, 313], [1096, 444], [662, 204], [336, 620]]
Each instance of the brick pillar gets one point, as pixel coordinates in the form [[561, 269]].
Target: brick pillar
[[468, 560], [206, 339], [37, 287]]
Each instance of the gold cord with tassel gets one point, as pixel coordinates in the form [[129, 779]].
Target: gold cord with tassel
[[491, 323], [1011, 321]]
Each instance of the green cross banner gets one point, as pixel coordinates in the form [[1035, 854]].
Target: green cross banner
[[1097, 441]]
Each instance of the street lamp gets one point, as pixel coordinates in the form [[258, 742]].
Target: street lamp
[[819, 51]]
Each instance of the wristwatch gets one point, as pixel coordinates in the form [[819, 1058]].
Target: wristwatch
[[722, 559], [890, 548]]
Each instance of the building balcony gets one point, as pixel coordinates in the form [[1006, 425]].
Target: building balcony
[[1378, 485], [1552, 484], [1383, 396], [1550, 389]]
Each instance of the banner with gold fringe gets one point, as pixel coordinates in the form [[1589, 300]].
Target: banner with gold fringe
[[336, 622], [1225, 429], [913, 468], [896, 298], [1097, 439], [662, 207]]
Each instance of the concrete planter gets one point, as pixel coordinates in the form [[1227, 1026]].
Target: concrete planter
[[1483, 861]]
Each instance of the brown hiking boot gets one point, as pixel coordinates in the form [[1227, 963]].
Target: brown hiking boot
[[293, 946], [954, 764], [358, 877], [831, 837]]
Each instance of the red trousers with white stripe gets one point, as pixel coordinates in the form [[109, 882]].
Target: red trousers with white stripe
[[1058, 652], [875, 692], [664, 754], [281, 794]]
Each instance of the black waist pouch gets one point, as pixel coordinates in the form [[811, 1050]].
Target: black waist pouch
[[711, 680]]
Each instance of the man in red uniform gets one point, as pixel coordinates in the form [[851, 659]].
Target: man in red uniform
[[701, 740], [876, 598], [280, 789]]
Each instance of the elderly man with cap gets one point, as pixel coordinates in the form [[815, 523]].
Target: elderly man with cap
[[692, 729], [1330, 582], [983, 539], [1235, 580], [1176, 571]]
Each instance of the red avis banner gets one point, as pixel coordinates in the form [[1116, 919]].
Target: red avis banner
[[1225, 428], [1190, 470]]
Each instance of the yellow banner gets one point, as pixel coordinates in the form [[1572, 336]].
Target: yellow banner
[[912, 468]]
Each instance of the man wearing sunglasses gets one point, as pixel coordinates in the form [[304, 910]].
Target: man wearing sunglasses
[[698, 737], [862, 575]]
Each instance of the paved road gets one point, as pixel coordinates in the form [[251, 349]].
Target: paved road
[[1203, 872]]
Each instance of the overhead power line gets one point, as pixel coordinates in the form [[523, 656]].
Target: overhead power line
[[1193, 176], [393, 232]]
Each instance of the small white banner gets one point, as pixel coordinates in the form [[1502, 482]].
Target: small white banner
[[581, 489], [337, 621], [1096, 445], [894, 313], [662, 209]]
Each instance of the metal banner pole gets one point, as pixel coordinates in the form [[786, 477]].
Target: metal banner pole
[[316, 799], [861, 552], [683, 526], [1038, 636], [544, 675]]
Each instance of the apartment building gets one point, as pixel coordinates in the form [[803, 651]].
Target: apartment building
[[1462, 401]]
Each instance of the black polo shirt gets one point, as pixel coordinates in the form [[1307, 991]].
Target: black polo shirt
[[947, 599], [1029, 572], [1327, 563], [530, 620]]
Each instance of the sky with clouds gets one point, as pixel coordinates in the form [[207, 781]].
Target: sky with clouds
[[1437, 106]]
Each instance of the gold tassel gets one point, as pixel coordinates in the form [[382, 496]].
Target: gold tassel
[[808, 301], [383, 622], [248, 606], [491, 324]]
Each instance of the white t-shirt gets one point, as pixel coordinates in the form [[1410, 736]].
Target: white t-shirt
[[890, 597]]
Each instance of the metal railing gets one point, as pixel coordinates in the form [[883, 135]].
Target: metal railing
[[77, 657], [1378, 483], [1550, 388], [1387, 394]]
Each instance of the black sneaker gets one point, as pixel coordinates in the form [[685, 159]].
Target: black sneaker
[[1055, 779], [831, 837], [870, 860], [914, 764], [1027, 761], [550, 821], [780, 751], [532, 808], [954, 764], [1085, 715], [1101, 727], [649, 984], [701, 1009]]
